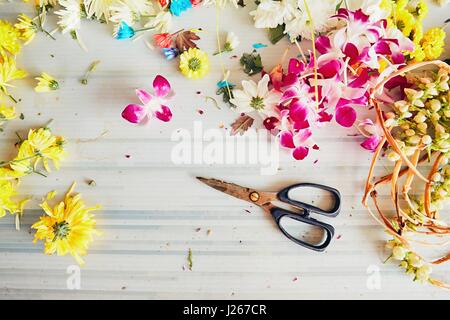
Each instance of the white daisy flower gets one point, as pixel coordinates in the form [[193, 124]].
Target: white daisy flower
[[162, 22], [255, 99], [300, 24], [232, 41], [270, 14], [70, 16], [122, 12], [220, 3], [99, 8]]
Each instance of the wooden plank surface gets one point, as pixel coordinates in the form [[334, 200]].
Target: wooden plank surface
[[155, 210]]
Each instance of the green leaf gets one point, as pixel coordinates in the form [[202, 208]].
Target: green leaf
[[251, 62], [276, 34]]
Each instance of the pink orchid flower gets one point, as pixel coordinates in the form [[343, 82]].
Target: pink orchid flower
[[373, 134], [153, 104]]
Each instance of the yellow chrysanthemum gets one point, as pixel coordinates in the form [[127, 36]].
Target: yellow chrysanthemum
[[9, 72], [194, 63], [418, 9], [46, 83], [9, 38], [40, 145], [7, 113], [387, 6], [433, 43], [417, 55], [7, 204], [67, 228], [404, 21], [27, 28], [400, 4], [416, 34]]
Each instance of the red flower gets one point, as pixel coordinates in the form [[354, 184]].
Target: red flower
[[163, 40], [163, 3], [195, 2]]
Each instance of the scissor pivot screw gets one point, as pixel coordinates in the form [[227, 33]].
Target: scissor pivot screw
[[254, 196]]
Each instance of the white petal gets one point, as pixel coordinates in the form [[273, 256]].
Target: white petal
[[249, 88], [262, 86]]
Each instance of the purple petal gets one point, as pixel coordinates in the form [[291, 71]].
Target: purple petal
[[165, 114], [300, 153], [346, 116], [323, 44], [396, 82], [287, 139], [144, 96], [161, 86], [371, 143], [134, 113]]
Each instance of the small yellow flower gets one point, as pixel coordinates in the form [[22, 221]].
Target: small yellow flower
[[40, 145], [417, 55], [67, 228], [26, 27], [433, 43], [416, 34], [418, 9], [9, 38], [404, 21], [46, 83], [194, 63], [7, 204], [7, 113], [9, 72]]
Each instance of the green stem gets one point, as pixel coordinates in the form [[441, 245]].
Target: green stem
[[4, 164], [144, 29]]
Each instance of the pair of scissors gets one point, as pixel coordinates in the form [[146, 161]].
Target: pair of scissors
[[265, 201]]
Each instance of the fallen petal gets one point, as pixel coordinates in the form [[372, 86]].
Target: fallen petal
[[165, 114], [161, 86], [346, 116], [371, 143], [134, 113], [144, 96], [286, 139], [300, 153]]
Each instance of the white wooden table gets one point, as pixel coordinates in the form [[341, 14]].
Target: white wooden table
[[154, 210]]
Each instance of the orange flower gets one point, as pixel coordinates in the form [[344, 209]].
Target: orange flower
[[163, 40]]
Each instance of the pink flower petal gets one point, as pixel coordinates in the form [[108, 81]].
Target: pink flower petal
[[134, 113], [161, 86], [323, 44], [296, 67], [270, 123], [144, 96], [300, 153], [324, 116], [329, 69], [165, 114], [302, 136], [298, 112], [346, 116], [371, 143], [286, 139], [361, 80]]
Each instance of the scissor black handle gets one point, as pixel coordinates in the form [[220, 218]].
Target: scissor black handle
[[279, 214], [283, 196]]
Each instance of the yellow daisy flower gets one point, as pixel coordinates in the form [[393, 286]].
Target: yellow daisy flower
[[418, 9], [194, 63], [26, 27], [404, 21], [7, 204], [400, 4], [8, 73], [417, 55], [67, 228], [46, 83], [9, 38], [433, 43], [7, 113], [416, 34], [40, 145]]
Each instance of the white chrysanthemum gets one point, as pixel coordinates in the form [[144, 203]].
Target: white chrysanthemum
[[372, 8], [220, 3], [270, 14], [162, 22], [98, 8], [140, 7], [255, 99], [300, 25], [70, 16], [122, 12], [232, 41]]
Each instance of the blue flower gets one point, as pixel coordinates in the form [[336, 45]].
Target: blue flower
[[178, 6], [224, 83], [125, 31], [170, 53]]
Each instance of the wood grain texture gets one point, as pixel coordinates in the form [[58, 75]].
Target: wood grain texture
[[154, 210]]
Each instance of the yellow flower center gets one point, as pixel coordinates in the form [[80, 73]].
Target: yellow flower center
[[194, 64], [257, 103]]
